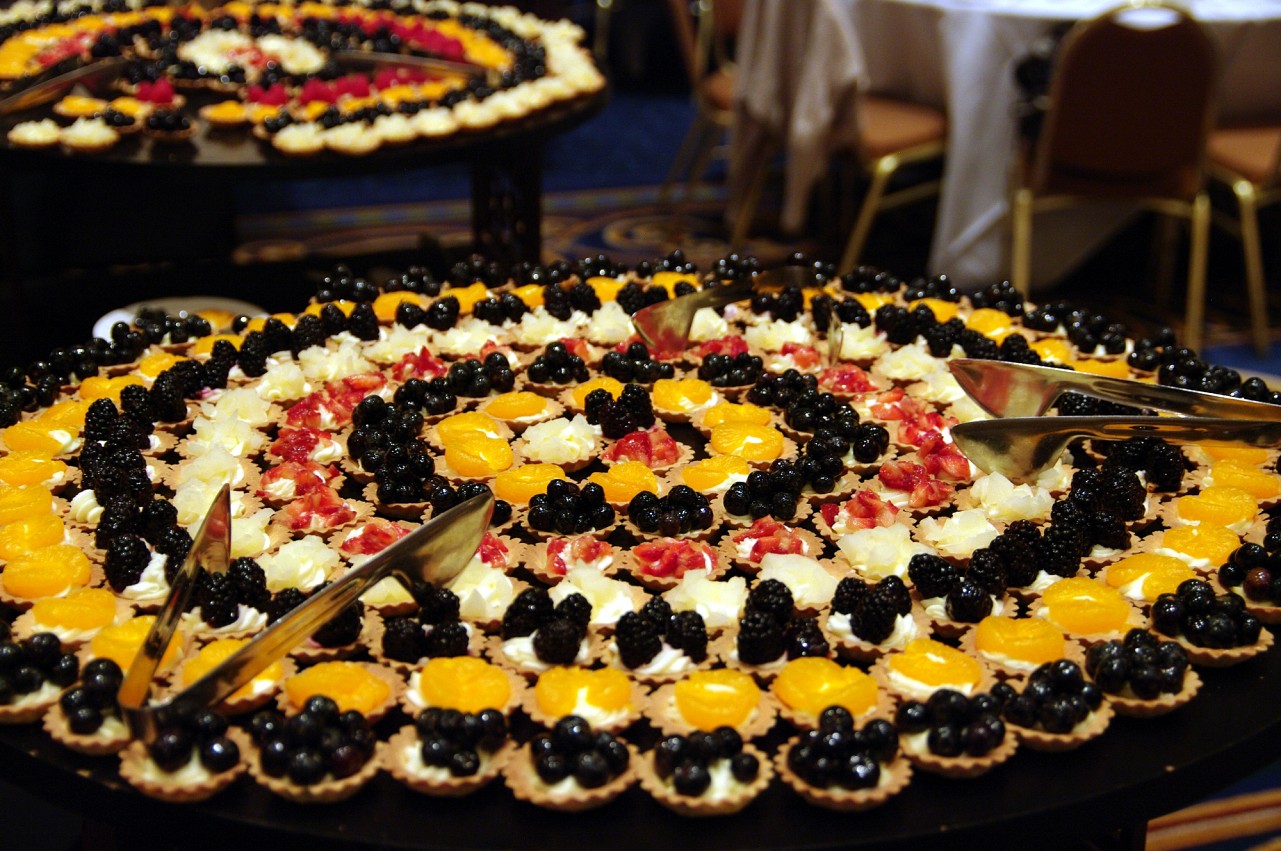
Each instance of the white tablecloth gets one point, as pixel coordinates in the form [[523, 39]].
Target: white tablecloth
[[801, 60]]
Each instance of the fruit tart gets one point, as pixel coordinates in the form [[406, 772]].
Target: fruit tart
[[681, 513], [954, 600], [1014, 647], [706, 700], [448, 753], [866, 621], [954, 735], [306, 773], [624, 481], [35, 670], [190, 760], [870, 767], [926, 665], [1057, 709], [372, 690], [606, 698], [87, 718], [569, 444], [807, 686], [766, 536], [1142, 577], [1087, 610], [253, 695], [1216, 631], [706, 773], [462, 683], [538, 634], [572, 768], [661, 564], [1250, 573], [654, 447], [551, 560], [404, 642], [75, 618], [864, 509], [1142, 676]]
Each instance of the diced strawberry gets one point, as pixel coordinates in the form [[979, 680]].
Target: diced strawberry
[[901, 475], [673, 558], [942, 458], [864, 510], [317, 90], [296, 444], [770, 536], [352, 85], [886, 406], [493, 552], [732, 346], [422, 364], [307, 476], [583, 549], [656, 354], [654, 447], [576, 346], [846, 378], [373, 537], [829, 512], [556, 556], [318, 510], [805, 357]]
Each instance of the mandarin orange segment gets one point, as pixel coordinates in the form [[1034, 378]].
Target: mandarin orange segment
[[37, 436], [83, 609], [1082, 606], [471, 422], [1106, 368], [157, 362], [943, 311], [1220, 505], [345, 305], [711, 473], [606, 289], [468, 296], [215, 653], [348, 683], [479, 456], [385, 305], [205, 345], [603, 382], [1025, 639], [465, 683], [46, 572], [748, 441], [562, 691], [623, 481], [668, 280], [732, 412], [518, 486], [69, 414], [1258, 483], [1206, 541], [100, 387], [516, 405], [871, 301], [988, 320], [531, 294], [20, 503], [30, 534], [259, 322], [710, 699], [1254, 456], [811, 684], [1052, 348], [681, 394], [928, 662], [29, 467], [120, 642]]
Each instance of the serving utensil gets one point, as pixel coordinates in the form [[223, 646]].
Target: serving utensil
[[365, 59], [435, 553], [1020, 448], [1025, 390], [57, 80], [665, 326]]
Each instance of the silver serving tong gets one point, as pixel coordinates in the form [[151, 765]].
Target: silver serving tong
[[56, 81], [436, 553]]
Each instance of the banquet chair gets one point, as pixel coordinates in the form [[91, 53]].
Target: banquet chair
[[706, 51], [1129, 111], [1248, 159]]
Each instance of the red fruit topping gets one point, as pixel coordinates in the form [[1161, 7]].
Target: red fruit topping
[[493, 552], [804, 357], [307, 476], [864, 510], [770, 536], [576, 346], [421, 365], [276, 95], [731, 346], [656, 354], [654, 448], [886, 405], [336, 400], [160, 92], [673, 558], [321, 509], [584, 550], [375, 536], [942, 458], [915, 480], [846, 378], [297, 444], [352, 85], [317, 90]]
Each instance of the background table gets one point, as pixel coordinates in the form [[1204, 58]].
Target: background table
[[800, 64]]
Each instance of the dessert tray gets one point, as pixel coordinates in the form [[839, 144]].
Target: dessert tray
[[704, 599]]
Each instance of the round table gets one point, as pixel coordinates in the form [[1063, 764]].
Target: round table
[[800, 65], [1109, 788]]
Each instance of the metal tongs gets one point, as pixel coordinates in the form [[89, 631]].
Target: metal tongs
[[436, 553], [1025, 442]]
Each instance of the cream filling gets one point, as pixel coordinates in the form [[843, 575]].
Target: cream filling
[[881, 551], [301, 564], [520, 652], [1240, 527], [720, 602], [248, 619], [1190, 561], [772, 335], [484, 592], [85, 508], [668, 660], [912, 362], [707, 325], [610, 325], [1001, 499], [35, 133], [916, 690], [905, 629], [936, 607], [561, 442], [191, 774], [151, 584], [810, 584], [862, 343], [283, 382], [610, 599], [412, 760]]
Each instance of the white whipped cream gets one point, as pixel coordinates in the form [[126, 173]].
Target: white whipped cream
[[151, 585], [881, 551], [610, 598], [668, 660], [811, 585], [610, 325], [560, 441], [720, 602], [905, 629], [85, 508], [1001, 499], [248, 619], [484, 592], [304, 564], [520, 652], [708, 325], [917, 690], [772, 335], [191, 774]]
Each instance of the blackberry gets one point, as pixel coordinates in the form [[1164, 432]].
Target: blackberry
[[895, 593], [127, 557], [216, 596], [850, 591], [250, 582], [805, 638], [1110, 531], [657, 610], [772, 598], [968, 602], [1058, 552], [556, 642], [446, 640], [639, 639], [283, 602], [576, 609], [987, 570], [403, 640], [343, 629], [307, 332], [760, 638], [687, 632], [1069, 518], [932, 575], [174, 543], [873, 620]]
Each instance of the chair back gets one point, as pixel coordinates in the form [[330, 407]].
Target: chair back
[[707, 45], [1130, 106]]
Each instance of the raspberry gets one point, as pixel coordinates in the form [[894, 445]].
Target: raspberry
[[687, 632], [446, 639], [968, 602], [850, 591], [932, 575], [557, 641], [987, 570], [772, 598], [638, 639], [403, 640], [760, 638]]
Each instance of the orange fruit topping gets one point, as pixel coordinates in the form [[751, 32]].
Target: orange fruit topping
[[1053, 349], [943, 310], [518, 486], [1260, 484], [346, 306], [1108, 368], [668, 280], [205, 345], [30, 534], [465, 683], [1220, 505], [120, 642], [732, 412], [709, 699], [562, 691], [1160, 574], [157, 362], [215, 653], [100, 387], [516, 405], [47, 572], [348, 683], [1206, 541], [871, 301], [1084, 607], [933, 664], [478, 455], [811, 684], [681, 394], [471, 422], [711, 473], [747, 441], [531, 294], [39, 436], [69, 414], [20, 503], [83, 609], [606, 289], [29, 467], [1025, 639], [79, 106], [604, 382], [468, 296], [259, 322], [623, 481], [385, 305], [987, 320], [1255, 456]]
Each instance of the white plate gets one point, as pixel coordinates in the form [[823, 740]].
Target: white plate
[[177, 305]]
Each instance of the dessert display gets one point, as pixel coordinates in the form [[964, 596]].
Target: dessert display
[[349, 78], [715, 574]]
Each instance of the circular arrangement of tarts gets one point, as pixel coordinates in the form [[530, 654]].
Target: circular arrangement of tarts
[[704, 578]]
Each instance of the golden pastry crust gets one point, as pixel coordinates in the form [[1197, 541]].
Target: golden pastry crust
[[1221, 658], [964, 766], [524, 783], [664, 793], [895, 776], [1134, 707], [865, 651], [1091, 728], [132, 770], [326, 791], [92, 744], [394, 761]]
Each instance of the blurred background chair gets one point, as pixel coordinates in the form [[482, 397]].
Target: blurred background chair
[[1248, 159], [1129, 111]]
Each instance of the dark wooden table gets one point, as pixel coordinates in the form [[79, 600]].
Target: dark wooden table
[[1107, 789]]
